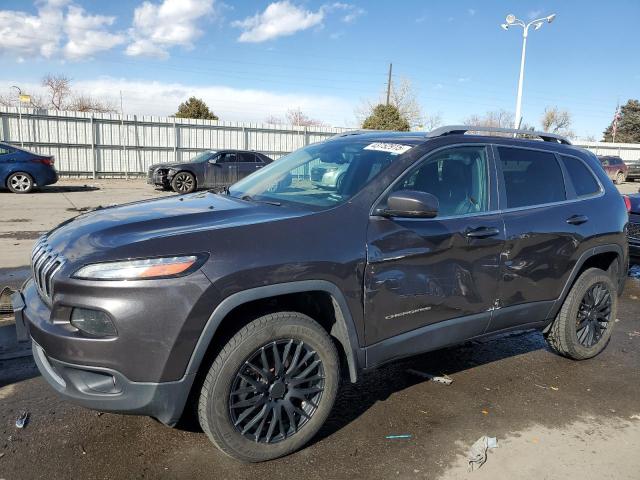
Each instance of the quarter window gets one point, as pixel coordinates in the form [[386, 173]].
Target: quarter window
[[531, 177], [580, 176], [457, 177]]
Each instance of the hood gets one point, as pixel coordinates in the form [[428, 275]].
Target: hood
[[635, 203], [133, 224], [168, 165]]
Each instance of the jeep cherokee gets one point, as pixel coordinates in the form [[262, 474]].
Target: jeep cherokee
[[256, 303]]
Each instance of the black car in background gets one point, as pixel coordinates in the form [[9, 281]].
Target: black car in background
[[633, 172], [633, 231], [209, 169]]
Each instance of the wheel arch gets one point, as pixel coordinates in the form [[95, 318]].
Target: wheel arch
[[608, 257], [342, 329]]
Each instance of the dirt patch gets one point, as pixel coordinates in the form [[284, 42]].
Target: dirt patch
[[21, 235]]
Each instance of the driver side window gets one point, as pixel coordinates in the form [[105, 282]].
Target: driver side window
[[457, 177]]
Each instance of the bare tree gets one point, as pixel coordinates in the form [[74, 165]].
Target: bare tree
[[58, 90], [555, 120], [404, 96], [87, 103], [297, 117], [13, 99], [6, 101], [274, 120], [497, 119], [431, 122]]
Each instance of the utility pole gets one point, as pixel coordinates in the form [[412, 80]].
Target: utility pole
[[389, 83]]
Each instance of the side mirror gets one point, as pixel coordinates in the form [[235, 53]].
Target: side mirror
[[213, 160], [412, 204]]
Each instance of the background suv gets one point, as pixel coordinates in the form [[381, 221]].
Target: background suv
[[21, 171], [256, 303], [615, 168], [209, 169]]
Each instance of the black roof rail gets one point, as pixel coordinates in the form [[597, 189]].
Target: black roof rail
[[462, 129]]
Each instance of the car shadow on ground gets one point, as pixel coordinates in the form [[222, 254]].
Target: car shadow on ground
[[67, 188], [377, 386]]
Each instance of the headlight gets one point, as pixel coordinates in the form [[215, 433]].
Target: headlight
[[140, 269]]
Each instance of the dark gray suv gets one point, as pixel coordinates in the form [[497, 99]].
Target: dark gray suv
[[258, 302]]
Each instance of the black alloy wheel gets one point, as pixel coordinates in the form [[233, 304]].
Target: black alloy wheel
[[594, 315], [276, 391], [183, 182]]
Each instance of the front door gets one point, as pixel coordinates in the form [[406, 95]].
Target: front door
[[424, 271]]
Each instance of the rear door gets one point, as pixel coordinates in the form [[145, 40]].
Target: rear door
[[422, 271], [544, 226], [246, 164]]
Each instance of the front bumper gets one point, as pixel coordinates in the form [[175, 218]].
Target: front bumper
[[141, 371], [107, 390]]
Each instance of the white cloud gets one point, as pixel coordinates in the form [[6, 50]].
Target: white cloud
[[471, 11], [28, 35], [58, 27], [278, 19], [229, 103], [87, 34], [352, 12], [157, 27]]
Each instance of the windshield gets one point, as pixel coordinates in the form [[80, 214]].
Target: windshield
[[322, 175], [202, 157]]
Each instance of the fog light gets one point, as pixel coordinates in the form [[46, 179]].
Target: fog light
[[93, 322]]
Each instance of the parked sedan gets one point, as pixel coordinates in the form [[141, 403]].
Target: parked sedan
[[633, 229], [615, 168], [21, 171], [209, 169], [634, 169]]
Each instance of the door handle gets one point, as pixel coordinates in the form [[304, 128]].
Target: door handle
[[482, 232], [577, 219]]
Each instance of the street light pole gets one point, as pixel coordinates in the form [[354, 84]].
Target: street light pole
[[19, 115], [511, 20]]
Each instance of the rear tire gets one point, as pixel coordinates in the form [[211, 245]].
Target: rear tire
[[272, 412], [183, 182], [582, 329], [619, 178], [20, 182]]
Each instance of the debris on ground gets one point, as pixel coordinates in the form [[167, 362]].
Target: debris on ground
[[478, 451], [444, 379], [22, 420], [555, 389], [634, 417], [2, 454], [395, 437], [634, 334]]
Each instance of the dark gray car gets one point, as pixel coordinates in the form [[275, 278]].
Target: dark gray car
[[208, 169], [256, 303]]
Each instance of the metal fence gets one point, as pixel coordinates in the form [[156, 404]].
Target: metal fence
[[86, 144], [109, 145]]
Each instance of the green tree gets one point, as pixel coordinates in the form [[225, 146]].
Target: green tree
[[195, 108], [628, 124], [386, 117]]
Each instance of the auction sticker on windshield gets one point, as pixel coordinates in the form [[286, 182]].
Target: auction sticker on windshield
[[394, 148]]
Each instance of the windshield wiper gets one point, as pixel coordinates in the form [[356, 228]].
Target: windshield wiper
[[249, 198]]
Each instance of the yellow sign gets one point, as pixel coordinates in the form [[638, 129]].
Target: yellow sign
[[25, 98]]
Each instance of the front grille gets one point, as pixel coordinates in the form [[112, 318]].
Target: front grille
[[634, 231], [45, 263]]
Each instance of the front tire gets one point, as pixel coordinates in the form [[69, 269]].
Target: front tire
[[20, 182], [582, 328], [183, 182], [271, 387], [619, 178]]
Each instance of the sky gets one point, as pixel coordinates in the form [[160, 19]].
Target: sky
[[253, 59]]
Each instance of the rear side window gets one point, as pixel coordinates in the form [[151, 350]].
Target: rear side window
[[531, 177], [580, 176]]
